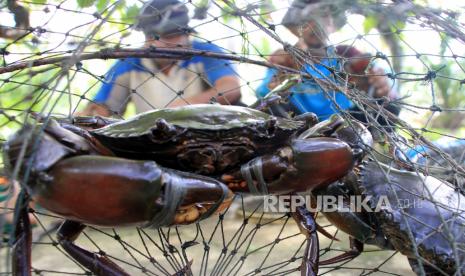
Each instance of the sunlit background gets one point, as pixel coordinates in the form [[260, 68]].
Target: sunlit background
[[63, 30]]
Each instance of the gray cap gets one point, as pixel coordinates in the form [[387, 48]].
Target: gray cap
[[301, 11], [163, 17]]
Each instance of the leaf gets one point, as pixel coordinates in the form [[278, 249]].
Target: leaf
[[264, 47], [85, 3], [121, 5], [266, 8], [400, 25], [131, 13], [369, 23], [102, 5], [39, 2]]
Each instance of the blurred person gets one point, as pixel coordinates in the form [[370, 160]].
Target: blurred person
[[312, 21], [374, 83], [159, 83]]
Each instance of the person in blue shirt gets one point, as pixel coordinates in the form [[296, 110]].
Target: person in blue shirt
[[308, 96], [312, 21], [158, 83]]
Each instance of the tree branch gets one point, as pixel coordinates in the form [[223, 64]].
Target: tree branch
[[165, 53]]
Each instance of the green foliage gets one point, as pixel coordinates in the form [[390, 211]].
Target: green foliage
[[450, 94], [39, 2], [369, 23], [102, 5], [129, 15], [265, 47], [388, 28], [447, 88], [201, 3], [396, 26], [266, 7], [85, 3], [23, 92], [227, 14]]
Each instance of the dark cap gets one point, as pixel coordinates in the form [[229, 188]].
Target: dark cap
[[163, 17], [301, 11]]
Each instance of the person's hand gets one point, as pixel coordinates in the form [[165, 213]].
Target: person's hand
[[281, 57], [275, 81], [379, 82]]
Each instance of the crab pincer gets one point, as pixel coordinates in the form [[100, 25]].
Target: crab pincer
[[90, 189], [316, 158]]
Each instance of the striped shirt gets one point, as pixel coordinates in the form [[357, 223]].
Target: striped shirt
[[139, 80]]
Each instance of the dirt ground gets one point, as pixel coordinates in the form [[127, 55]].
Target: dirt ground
[[249, 250]]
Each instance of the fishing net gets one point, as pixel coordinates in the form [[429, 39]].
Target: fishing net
[[57, 55]]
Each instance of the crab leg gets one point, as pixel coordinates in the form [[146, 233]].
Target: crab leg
[[356, 248], [96, 263], [307, 226], [88, 122], [93, 122], [80, 125], [22, 239]]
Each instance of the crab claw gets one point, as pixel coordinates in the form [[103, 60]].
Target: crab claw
[[323, 129], [354, 133], [89, 189], [309, 118], [304, 165]]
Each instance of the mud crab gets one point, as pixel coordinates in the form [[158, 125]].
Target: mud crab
[[173, 166], [425, 220]]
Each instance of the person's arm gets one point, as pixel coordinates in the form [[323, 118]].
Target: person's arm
[[385, 93], [226, 90], [113, 95], [381, 84]]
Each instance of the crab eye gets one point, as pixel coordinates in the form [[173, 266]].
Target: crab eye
[[270, 125], [162, 130], [309, 118]]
